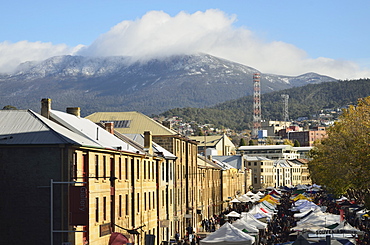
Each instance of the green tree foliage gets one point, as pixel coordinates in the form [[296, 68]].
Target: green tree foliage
[[242, 142], [288, 142], [341, 161], [9, 107], [251, 142], [303, 102], [296, 143]]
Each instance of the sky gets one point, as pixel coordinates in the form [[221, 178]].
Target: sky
[[285, 37]]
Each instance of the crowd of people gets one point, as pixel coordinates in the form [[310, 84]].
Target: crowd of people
[[279, 228]]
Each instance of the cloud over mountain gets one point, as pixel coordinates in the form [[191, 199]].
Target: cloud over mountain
[[157, 34]]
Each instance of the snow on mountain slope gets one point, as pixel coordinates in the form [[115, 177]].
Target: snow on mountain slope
[[116, 83]]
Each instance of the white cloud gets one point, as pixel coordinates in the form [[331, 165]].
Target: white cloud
[[12, 54], [158, 34]]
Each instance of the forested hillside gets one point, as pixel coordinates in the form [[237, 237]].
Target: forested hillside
[[303, 102]]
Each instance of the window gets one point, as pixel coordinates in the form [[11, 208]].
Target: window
[[149, 200], [96, 166], [104, 167], [120, 123], [120, 206], [162, 198], [171, 171], [137, 169], [104, 208], [144, 169], [97, 209], [153, 171], [145, 201], [74, 166], [120, 169], [249, 164], [255, 163], [154, 201], [138, 202], [163, 173], [126, 168], [126, 204]]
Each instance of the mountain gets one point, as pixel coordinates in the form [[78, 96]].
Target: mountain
[[304, 101], [151, 87]]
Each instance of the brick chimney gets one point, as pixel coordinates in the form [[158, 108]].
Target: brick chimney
[[74, 111], [45, 107], [166, 124], [109, 126], [148, 142]]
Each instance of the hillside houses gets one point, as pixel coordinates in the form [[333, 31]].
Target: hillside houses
[[79, 180]]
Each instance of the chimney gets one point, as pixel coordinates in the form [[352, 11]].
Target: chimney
[[148, 142], [109, 126], [166, 124], [74, 111], [45, 107]]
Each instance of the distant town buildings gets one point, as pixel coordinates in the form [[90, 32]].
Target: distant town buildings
[[81, 180]]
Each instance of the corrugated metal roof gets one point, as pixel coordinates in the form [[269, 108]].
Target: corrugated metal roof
[[139, 138], [206, 163], [282, 163], [27, 127], [255, 158], [235, 160], [137, 125], [210, 140], [223, 165], [92, 131]]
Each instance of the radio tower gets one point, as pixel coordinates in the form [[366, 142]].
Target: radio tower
[[285, 114], [256, 105]]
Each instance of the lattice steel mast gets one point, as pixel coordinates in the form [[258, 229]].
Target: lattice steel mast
[[286, 105], [256, 105]]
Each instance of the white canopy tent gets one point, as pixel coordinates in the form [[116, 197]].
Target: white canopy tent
[[233, 214], [245, 198], [259, 209], [249, 193], [320, 218], [304, 205], [235, 200], [228, 234], [260, 194], [241, 224], [250, 219]]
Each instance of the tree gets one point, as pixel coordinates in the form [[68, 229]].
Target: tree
[[288, 142], [340, 162], [9, 107], [296, 143], [270, 141], [251, 142], [242, 142]]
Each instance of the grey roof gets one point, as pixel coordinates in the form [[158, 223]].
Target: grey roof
[[282, 163], [255, 158], [139, 138], [206, 163], [235, 160], [92, 131], [264, 147], [222, 165], [303, 148], [24, 127]]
